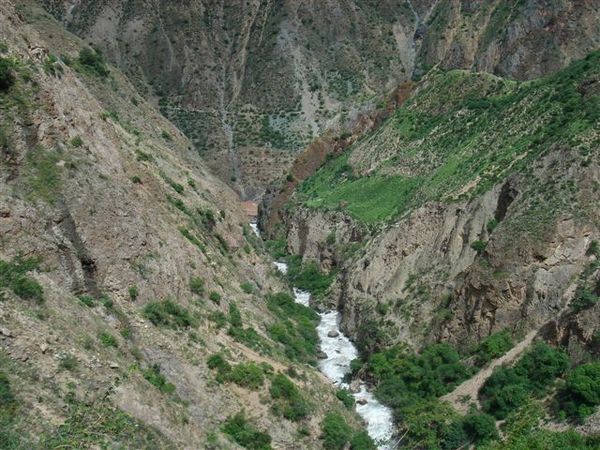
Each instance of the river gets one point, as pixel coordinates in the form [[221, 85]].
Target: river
[[340, 352]]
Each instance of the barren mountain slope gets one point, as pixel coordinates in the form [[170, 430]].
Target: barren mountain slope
[[124, 265]]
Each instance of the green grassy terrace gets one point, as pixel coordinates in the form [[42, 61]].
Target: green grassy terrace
[[458, 135]]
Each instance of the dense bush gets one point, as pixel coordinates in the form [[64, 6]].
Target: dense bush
[[197, 285], [215, 297], [493, 347], [235, 317], [479, 246], [246, 434], [277, 248], [289, 402], [411, 383], [134, 293], [13, 275], [7, 400], [108, 340], [336, 434], [508, 387], [247, 287], [168, 313], [524, 430], [345, 396], [92, 61], [401, 376], [88, 300], [295, 328], [248, 375], [308, 277], [7, 77], [584, 299], [157, 379], [474, 428], [581, 393]]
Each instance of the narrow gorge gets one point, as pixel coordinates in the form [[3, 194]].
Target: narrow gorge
[[296, 225]]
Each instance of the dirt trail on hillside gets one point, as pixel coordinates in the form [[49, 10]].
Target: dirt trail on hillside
[[471, 387]]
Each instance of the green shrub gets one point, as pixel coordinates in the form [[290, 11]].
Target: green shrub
[[92, 62], [581, 393], [27, 288], [345, 396], [248, 375], [197, 285], [136, 179], [133, 292], [168, 313], [295, 327], [7, 78], [362, 441], [52, 66], [107, 302], [277, 248], [336, 432], [8, 404], [216, 361], [382, 308], [165, 135], [584, 299], [13, 276], [215, 297], [493, 347], [479, 246], [108, 340], [77, 141], [88, 301], [235, 317], [524, 429], [218, 318], [289, 402], [247, 287], [509, 387], [308, 277], [491, 225], [479, 428], [246, 434], [68, 361], [157, 379]]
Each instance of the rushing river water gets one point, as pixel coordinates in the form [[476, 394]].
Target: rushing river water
[[340, 352]]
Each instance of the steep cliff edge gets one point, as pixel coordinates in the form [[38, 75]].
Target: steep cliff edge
[[465, 224], [137, 308], [478, 191]]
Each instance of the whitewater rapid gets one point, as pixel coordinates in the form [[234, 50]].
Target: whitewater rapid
[[340, 352]]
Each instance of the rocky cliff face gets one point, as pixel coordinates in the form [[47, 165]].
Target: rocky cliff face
[[123, 261], [456, 246], [252, 83]]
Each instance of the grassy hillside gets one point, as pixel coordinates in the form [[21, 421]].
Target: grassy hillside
[[458, 135]]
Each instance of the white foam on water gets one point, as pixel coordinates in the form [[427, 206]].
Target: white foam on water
[[340, 352], [282, 267], [254, 227], [302, 297], [379, 418]]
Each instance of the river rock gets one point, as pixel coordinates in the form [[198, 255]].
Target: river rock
[[321, 355], [362, 401], [333, 334]]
